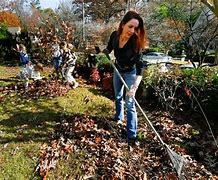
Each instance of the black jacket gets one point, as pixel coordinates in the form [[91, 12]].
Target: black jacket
[[126, 58]]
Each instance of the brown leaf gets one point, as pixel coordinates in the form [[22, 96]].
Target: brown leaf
[[98, 140]]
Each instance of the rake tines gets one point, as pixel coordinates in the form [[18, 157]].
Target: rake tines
[[176, 159]]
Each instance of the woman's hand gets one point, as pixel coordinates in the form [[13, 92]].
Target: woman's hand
[[132, 91], [134, 87]]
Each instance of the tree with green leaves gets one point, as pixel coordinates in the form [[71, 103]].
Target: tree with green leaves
[[196, 36]]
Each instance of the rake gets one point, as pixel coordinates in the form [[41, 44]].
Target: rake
[[177, 160], [205, 117]]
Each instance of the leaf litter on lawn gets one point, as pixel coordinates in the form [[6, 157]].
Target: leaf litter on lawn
[[109, 153], [106, 144]]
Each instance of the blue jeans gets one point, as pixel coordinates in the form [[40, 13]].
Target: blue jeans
[[132, 120], [57, 62]]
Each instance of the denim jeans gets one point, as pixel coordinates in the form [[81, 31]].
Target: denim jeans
[[129, 78]]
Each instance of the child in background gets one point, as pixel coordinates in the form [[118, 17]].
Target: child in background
[[69, 62], [37, 68], [24, 58], [31, 71], [56, 57], [24, 63], [28, 70]]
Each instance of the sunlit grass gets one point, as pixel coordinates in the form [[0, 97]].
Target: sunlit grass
[[26, 124]]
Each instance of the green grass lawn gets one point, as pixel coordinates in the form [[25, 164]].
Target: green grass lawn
[[27, 124], [30, 124]]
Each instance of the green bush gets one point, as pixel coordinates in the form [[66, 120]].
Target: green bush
[[6, 42], [4, 33], [195, 77], [183, 89], [103, 63]]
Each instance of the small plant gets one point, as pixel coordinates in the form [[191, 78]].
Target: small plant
[[195, 132], [141, 136]]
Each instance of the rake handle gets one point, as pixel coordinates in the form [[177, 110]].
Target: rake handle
[[148, 121], [173, 155]]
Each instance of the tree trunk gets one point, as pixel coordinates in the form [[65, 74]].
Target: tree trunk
[[212, 5]]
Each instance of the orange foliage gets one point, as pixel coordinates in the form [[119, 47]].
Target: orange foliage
[[172, 33], [10, 19], [171, 37], [176, 24]]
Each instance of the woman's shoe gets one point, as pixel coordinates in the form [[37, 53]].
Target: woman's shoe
[[133, 142]]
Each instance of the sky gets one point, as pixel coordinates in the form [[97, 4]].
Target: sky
[[49, 3]]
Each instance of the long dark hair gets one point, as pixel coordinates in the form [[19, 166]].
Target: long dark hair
[[141, 37]]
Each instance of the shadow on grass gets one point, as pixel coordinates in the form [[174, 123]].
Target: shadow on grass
[[29, 126], [35, 121], [101, 92], [11, 79]]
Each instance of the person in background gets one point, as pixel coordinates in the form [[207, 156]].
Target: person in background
[[37, 68], [22, 53], [97, 49], [56, 56], [68, 65], [127, 42], [28, 69], [24, 63]]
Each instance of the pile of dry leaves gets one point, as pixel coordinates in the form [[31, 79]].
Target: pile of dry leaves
[[37, 89], [112, 158], [46, 87]]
